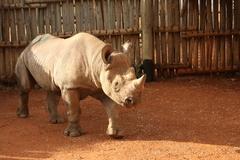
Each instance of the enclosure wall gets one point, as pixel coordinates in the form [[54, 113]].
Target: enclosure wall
[[189, 36]]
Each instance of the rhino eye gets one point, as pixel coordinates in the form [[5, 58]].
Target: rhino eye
[[116, 87]]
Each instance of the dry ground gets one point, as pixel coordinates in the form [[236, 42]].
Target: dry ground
[[182, 118]]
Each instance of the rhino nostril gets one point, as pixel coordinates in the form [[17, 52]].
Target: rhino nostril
[[129, 101]]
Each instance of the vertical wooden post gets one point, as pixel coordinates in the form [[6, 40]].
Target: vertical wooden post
[[236, 38], [217, 40], [147, 38], [222, 39], [163, 37], [1, 39], [210, 39]]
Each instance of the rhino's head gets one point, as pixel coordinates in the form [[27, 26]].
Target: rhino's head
[[118, 78]]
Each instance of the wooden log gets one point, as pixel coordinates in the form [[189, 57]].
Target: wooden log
[[229, 46], [175, 29], [171, 42], [217, 40], [2, 62], [163, 36], [52, 12], [91, 15], [78, 13], [209, 39], [68, 16], [130, 9], [14, 44], [147, 38], [55, 14], [84, 13], [202, 29], [191, 41], [8, 55], [170, 21], [176, 34], [133, 38], [2, 66], [236, 39], [47, 19], [184, 8], [126, 12], [222, 39], [20, 25], [34, 27], [99, 15], [13, 35], [22, 6], [195, 55], [126, 18], [138, 56], [57, 17], [206, 33], [6, 25], [105, 15], [19, 35], [118, 13], [171, 66], [184, 23], [201, 70], [157, 53], [43, 1], [111, 22], [7, 51]]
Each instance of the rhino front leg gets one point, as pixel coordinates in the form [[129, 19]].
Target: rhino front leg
[[71, 100], [51, 106], [113, 116]]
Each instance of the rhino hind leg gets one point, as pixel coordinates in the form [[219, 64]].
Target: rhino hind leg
[[52, 101], [25, 83], [22, 110]]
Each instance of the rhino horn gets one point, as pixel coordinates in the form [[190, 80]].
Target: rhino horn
[[139, 83]]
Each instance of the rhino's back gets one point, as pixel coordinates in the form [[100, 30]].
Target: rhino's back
[[82, 62], [39, 58], [57, 63]]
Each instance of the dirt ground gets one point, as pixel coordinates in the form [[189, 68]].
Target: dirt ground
[[191, 117]]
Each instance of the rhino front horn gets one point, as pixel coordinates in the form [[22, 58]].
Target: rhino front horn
[[139, 83]]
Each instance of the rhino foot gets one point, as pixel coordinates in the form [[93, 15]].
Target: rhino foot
[[57, 119], [116, 134], [22, 113], [73, 132]]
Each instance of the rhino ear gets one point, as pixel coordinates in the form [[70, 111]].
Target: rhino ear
[[127, 47], [106, 52]]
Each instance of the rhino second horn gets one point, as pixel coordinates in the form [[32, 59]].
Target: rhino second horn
[[130, 74], [139, 83]]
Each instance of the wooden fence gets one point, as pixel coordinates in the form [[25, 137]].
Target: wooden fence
[[210, 45], [189, 36]]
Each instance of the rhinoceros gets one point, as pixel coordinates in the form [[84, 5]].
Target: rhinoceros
[[73, 69]]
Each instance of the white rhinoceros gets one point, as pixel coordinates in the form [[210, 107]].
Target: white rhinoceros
[[74, 68]]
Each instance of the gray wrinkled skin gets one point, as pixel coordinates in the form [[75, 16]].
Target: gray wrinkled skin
[[73, 69]]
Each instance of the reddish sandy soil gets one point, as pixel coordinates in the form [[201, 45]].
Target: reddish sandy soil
[[182, 118]]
